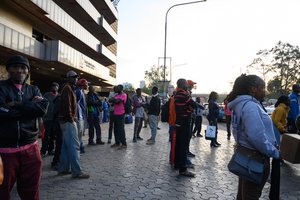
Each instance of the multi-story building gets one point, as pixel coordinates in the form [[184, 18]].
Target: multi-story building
[[61, 35]]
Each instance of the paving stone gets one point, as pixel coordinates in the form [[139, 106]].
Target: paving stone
[[143, 172]]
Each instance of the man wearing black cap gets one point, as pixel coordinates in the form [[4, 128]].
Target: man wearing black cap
[[21, 105], [67, 115], [49, 123]]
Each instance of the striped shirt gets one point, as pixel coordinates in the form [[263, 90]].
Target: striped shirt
[[184, 104]]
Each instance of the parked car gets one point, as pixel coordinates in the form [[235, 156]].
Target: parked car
[[222, 117], [270, 109], [205, 111]]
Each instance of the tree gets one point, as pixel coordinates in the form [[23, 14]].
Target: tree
[[283, 62], [155, 77]]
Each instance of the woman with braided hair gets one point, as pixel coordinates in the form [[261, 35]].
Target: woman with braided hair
[[252, 129]]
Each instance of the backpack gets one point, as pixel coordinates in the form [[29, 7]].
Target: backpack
[[128, 105], [165, 112]]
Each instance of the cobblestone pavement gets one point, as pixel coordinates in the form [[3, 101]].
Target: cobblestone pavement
[[143, 172]]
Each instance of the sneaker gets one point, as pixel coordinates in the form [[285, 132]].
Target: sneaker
[[109, 141], [122, 146], [187, 174], [114, 145], [150, 142], [139, 138], [100, 142], [81, 176], [63, 173]]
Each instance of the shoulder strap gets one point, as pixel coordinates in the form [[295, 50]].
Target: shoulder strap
[[240, 122]]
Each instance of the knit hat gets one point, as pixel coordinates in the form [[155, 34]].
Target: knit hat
[[17, 59]]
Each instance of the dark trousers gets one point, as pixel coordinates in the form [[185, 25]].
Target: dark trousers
[[182, 141], [138, 123], [228, 124], [248, 190], [198, 125], [58, 143], [111, 125], [25, 167], [291, 125], [94, 123], [275, 180], [49, 137], [119, 129]]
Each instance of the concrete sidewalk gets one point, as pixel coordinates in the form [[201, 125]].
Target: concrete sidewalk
[[143, 172]]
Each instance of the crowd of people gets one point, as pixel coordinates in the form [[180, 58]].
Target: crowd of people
[[67, 110]]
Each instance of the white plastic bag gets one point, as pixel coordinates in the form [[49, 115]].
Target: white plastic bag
[[210, 132]]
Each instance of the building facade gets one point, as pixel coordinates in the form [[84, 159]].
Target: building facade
[[58, 36]]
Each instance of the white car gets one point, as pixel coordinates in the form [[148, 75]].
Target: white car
[[270, 109]]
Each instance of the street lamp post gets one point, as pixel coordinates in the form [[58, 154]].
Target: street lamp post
[[165, 44]]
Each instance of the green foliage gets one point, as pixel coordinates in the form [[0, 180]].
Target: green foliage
[[155, 77], [282, 61], [146, 90]]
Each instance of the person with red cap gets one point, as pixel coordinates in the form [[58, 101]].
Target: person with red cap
[[190, 86], [82, 84]]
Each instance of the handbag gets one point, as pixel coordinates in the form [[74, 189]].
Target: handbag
[[210, 132], [243, 163], [1, 171], [247, 167]]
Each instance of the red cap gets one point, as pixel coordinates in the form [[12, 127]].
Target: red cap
[[190, 82], [82, 82]]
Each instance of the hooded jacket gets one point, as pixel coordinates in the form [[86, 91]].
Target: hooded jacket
[[252, 126]]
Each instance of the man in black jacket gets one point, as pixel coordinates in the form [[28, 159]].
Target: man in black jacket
[[153, 113], [21, 105]]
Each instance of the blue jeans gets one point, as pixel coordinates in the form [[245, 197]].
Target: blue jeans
[[153, 120], [81, 129], [69, 156]]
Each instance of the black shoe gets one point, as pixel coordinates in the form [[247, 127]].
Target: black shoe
[[213, 145], [100, 142], [134, 140], [139, 138], [144, 126], [51, 153], [158, 128], [228, 137], [43, 155], [187, 174], [217, 143], [190, 154], [81, 176], [91, 143], [199, 135]]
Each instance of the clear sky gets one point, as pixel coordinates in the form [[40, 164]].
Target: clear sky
[[210, 43]]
